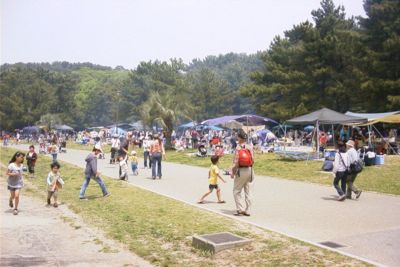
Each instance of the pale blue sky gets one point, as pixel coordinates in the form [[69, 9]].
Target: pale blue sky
[[122, 32]]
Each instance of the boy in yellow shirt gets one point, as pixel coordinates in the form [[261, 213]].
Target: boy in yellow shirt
[[134, 163], [213, 176]]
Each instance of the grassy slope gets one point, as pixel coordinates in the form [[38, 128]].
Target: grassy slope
[[159, 229]]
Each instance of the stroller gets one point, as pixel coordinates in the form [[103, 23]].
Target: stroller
[[202, 150], [63, 147]]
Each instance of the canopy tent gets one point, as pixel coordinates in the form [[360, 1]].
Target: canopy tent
[[232, 125], [208, 127], [372, 116], [309, 128], [117, 131], [63, 128], [31, 130], [247, 119], [186, 125], [325, 116]]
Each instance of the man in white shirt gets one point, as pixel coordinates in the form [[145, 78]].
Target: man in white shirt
[[353, 157]]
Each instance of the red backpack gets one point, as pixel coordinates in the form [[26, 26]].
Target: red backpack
[[245, 158]]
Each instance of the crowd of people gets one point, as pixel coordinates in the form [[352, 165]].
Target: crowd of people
[[347, 162], [242, 170]]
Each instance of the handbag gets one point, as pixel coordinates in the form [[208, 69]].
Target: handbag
[[356, 167]]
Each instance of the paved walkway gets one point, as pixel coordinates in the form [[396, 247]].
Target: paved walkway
[[39, 236], [368, 228]]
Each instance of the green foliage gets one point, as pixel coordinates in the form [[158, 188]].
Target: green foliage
[[381, 33], [332, 63], [335, 62]]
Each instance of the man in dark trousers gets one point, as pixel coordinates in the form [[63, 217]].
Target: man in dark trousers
[[92, 172]]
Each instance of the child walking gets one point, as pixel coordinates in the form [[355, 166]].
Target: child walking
[[213, 175], [54, 183], [31, 158], [134, 163], [123, 166], [15, 180]]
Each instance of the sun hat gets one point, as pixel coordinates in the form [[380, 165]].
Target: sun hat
[[350, 143], [133, 152], [97, 147]]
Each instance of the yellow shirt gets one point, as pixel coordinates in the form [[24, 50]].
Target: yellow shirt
[[133, 159], [214, 171]]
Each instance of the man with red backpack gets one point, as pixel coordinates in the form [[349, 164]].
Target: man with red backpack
[[242, 172]]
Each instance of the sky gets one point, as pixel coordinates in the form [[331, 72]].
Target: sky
[[126, 32]]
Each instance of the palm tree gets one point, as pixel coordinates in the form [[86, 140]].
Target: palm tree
[[165, 109]]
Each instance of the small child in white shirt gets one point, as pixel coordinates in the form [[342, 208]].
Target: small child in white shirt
[[54, 183], [123, 165]]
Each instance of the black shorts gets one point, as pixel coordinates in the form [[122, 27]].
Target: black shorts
[[212, 186]]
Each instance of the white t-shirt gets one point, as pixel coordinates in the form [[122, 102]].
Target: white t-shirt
[[15, 181], [115, 143]]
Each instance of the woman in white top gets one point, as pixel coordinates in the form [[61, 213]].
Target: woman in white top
[[340, 170], [15, 180]]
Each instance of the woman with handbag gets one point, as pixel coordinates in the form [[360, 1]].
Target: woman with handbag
[[341, 167], [355, 169]]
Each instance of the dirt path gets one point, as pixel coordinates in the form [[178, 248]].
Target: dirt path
[[48, 236]]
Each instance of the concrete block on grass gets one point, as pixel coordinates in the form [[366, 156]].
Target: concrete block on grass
[[219, 241]]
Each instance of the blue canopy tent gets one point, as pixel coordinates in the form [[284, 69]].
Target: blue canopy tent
[[30, 130], [208, 127], [186, 125], [117, 131], [309, 128]]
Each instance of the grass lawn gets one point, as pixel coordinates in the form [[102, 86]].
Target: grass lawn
[[383, 178], [159, 229]]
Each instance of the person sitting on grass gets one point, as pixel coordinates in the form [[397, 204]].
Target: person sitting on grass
[[54, 183], [213, 176]]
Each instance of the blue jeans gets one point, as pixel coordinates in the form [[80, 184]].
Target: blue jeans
[[134, 167], [86, 184], [340, 176], [156, 163], [54, 157], [146, 156]]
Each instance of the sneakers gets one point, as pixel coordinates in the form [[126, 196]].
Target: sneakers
[[83, 198], [15, 212], [55, 205], [342, 198], [107, 195], [11, 204], [358, 194]]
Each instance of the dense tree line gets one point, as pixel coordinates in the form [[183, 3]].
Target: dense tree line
[[83, 94], [335, 62], [332, 61]]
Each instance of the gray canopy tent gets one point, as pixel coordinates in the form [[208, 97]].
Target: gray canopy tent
[[325, 116]]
